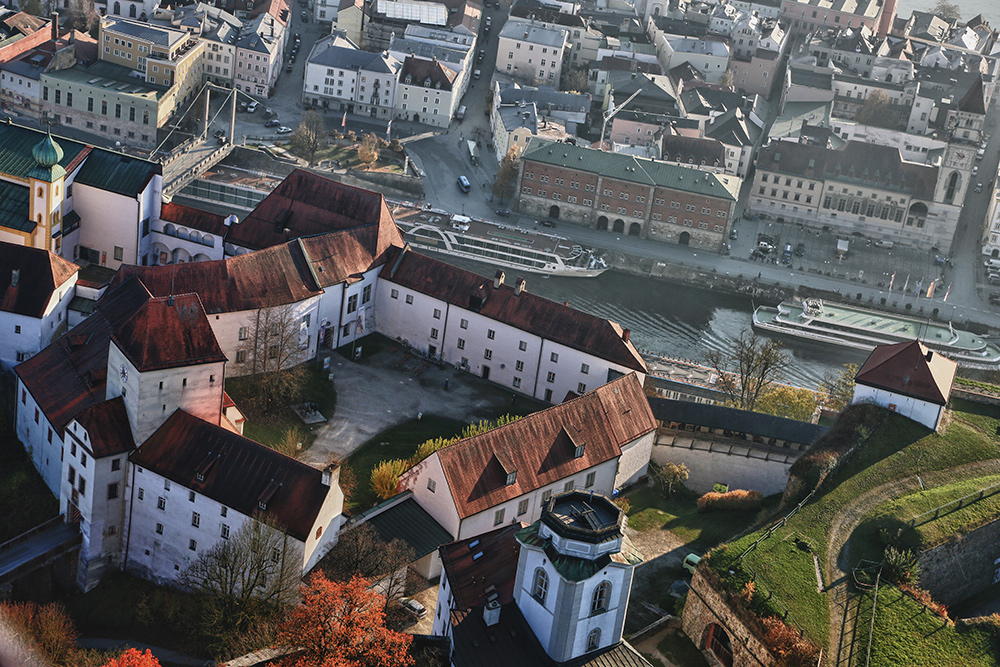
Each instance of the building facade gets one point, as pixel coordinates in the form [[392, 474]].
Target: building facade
[[532, 52]]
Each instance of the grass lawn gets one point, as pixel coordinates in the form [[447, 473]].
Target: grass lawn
[[269, 429], [679, 514], [898, 449], [24, 497], [398, 442], [904, 634]]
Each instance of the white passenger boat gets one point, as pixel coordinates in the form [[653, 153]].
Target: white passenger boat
[[863, 329], [508, 246]]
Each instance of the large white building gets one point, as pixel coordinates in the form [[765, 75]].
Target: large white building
[[532, 52], [339, 75], [597, 442]]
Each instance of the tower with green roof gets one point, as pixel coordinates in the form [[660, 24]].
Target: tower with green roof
[[47, 191]]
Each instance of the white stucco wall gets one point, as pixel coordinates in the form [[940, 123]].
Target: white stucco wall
[[705, 469], [634, 461], [109, 220], [42, 443], [920, 411]]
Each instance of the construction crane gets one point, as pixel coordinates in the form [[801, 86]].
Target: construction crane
[[608, 115]]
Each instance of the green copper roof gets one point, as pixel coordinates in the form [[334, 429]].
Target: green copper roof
[[14, 207], [572, 568], [116, 172], [633, 169], [17, 146], [47, 152]]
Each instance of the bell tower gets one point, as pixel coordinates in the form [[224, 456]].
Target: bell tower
[[574, 575], [47, 185]]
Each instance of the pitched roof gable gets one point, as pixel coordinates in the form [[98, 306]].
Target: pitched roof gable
[[910, 369], [38, 273], [483, 567], [108, 427], [540, 447], [242, 475]]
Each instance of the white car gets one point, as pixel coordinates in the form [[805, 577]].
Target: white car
[[979, 187], [252, 107], [284, 130], [414, 607]]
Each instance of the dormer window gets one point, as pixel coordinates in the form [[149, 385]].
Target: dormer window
[[408, 79], [578, 452], [511, 477], [427, 82]]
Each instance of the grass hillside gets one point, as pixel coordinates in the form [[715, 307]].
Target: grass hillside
[[834, 531]]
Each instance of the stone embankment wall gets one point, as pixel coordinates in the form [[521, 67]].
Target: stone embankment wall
[[707, 613], [738, 467], [963, 566]]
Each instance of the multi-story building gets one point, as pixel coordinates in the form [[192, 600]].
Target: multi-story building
[[806, 16], [863, 188], [216, 27], [758, 51], [709, 55], [36, 287], [426, 92], [520, 113], [532, 52], [625, 194], [259, 50], [339, 75]]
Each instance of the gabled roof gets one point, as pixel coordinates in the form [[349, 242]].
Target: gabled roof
[[38, 273], [973, 101], [24, 22], [693, 150], [305, 204], [168, 332], [242, 473], [116, 172], [482, 568], [509, 643], [108, 427], [541, 447], [410, 522], [421, 70], [910, 369], [532, 314], [16, 144], [732, 419], [194, 218]]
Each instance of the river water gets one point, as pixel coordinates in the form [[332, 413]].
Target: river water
[[677, 321], [990, 9]]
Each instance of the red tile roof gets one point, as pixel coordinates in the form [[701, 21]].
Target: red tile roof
[[540, 447], [482, 567], [108, 427], [420, 70], [167, 332], [240, 472], [39, 273], [533, 314], [305, 204], [70, 374], [339, 255], [910, 369], [195, 218]]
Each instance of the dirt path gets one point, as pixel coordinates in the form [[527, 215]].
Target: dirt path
[[838, 554]]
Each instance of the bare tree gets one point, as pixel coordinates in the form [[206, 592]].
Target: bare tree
[[361, 551], [727, 79], [947, 10], [575, 80], [747, 367], [271, 351], [838, 387], [876, 112], [82, 16], [368, 150], [311, 135], [505, 182], [257, 570]]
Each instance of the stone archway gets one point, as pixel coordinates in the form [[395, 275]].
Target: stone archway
[[917, 215], [619, 225], [684, 238], [602, 223], [717, 641], [554, 212], [635, 229]]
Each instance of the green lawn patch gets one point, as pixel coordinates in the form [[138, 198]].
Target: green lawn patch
[[398, 442], [26, 500], [270, 429], [651, 511], [898, 449], [905, 634]]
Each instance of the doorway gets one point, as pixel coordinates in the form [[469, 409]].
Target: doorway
[[684, 238], [554, 212], [432, 351], [486, 372]]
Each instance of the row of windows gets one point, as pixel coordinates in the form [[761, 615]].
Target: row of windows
[[788, 182]]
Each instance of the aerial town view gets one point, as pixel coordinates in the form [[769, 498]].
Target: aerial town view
[[499, 333]]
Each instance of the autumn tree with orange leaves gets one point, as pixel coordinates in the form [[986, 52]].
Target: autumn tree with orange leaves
[[342, 625], [133, 658]]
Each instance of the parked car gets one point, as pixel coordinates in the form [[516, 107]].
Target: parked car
[[800, 249], [219, 133], [503, 212], [298, 39], [274, 122], [481, 55], [289, 67], [979, 187], [765, 247], [883, 244], [476, 74], [547, 223], [786, 254], [975, 170], [463, 184], [414, 607], [252, 107], [995, 298], [305, 16], [734, 234], [284, 130]]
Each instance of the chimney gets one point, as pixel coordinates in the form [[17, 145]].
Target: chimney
[[15, 276], [498, 279], [491, 613], [232, 220], [519, 286], [327, 476], [55, 26], [930, 355], [626, 334]]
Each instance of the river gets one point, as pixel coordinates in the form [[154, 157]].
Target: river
[[675, 320], [990, 9]]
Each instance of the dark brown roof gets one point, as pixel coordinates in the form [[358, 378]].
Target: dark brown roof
[[262, 279], [856, 162], [533, 314], [337, 256], [422, 69], [240, 472], [973, 101], [108, 427], [167, 332], [39, 273], [910, 369], [482, 568], [540, 447], [509, 643], [693, 150], [195, 218], [70, 374], [24, 22], [615, 63], [305, 204]]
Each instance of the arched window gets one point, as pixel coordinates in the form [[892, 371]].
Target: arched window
[[602, 594], [594, 639], [541, 587], [131, 11], [117, 9], [40, 193]]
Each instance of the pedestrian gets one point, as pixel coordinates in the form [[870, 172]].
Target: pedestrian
[[512, 398], [758, 276], [446, 384]]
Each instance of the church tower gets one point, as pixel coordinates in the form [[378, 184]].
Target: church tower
[[47, 185], [574, 575]]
